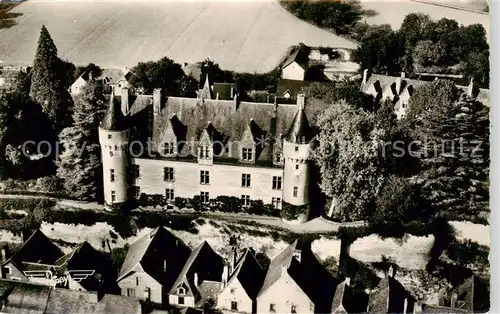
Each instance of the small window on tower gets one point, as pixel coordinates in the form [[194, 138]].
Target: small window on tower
[[296, 148], [113, 196], [109, 136], [295, 191], [297, 167]]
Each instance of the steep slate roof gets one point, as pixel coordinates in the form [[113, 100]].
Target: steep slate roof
[[31, 298], [113, 120], [208, 290], [151, 252], [37, 249], [203, 261], [473, 295], [86, 257], [249, 273], [435, 309], [294, 58], [300, 131], [308, 273], [389, 297]]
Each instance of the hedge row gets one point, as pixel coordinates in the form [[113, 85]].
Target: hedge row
[[226, 204]]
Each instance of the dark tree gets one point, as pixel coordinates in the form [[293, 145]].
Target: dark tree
[[95, 70], [215, 73], [47, 84], [164, 73], [80, 165]]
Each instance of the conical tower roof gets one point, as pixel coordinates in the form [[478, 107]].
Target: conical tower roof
[[113, 120], [206, 92], [300, 131]]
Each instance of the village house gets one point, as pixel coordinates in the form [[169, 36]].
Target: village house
[[346, 300], [37, 249], [398, 90], [23, 297], [239, 292], [294, 67], [111, 79], [152, 265], [199, 281], [390, 297], [296, 282], [206, 147]]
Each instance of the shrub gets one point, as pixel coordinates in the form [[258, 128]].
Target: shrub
[[26, 204], [181, 202], [227, 204], [292, 212], [50, 184]]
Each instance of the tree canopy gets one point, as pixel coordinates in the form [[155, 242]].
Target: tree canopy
[[80, 165], [164, 73], [48, 82]]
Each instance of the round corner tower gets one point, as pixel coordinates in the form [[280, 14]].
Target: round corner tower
[[114, 138], [297, 148]]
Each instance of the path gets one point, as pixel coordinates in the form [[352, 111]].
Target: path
[[318, 225]]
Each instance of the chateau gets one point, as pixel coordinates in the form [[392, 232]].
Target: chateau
[[182, 147]]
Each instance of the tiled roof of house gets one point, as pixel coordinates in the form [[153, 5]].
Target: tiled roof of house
[[208, 290], [205, 263], [113, 120], [152, 253], [37, 249], [86, 257], [249, 273], [435, 309], [30, 298], [307, 272], [294, 87], [472, 295], [388, 297], [295, 57]]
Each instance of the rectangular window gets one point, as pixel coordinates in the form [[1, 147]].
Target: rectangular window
[[233, 290], [247, 154], [169, 194], [204, 177], [168, 148], [297, 167], [205, 152], [278, 157], [204, 197], [181, 300], [272, 307], [296, 148], [110, 153], [295, 191], [113, 196], [234, 305], [293, 309], [277, 202], [277, 183], [168, 174], [131, 292], [135, 171], [245, 180], [112, 175], [136, 191], [245, 200], [109, 136]]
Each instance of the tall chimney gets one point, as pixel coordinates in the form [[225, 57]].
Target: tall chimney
[[453, 301], [225, 275], [365, 76], [470, 89], [398, 86], [125, 100], [157, 101], [405, 305], [196, 280], [235, 102], [417, 307], [301, 100], [3, 253], [348, 281]]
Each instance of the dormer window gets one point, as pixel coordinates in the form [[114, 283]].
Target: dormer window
[[168, 148], [247, 154], [181, 290], [205, 152]]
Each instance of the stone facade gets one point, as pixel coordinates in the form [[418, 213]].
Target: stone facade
[[142, 286], [205, 147]]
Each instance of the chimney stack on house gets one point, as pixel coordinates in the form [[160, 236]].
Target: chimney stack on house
[[417, 308], [3, 253], [164, 265], [157, 92], [365, 76], [301, 100], [470, 88], [454, 299], [348, 281], [125, 100], [405, 305], [225, 275], [392, 271], [196, 280], [398, 83]]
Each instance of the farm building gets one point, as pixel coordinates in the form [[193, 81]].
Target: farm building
[[111, 79]]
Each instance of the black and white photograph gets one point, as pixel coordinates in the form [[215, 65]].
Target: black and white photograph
[[247, 156]]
